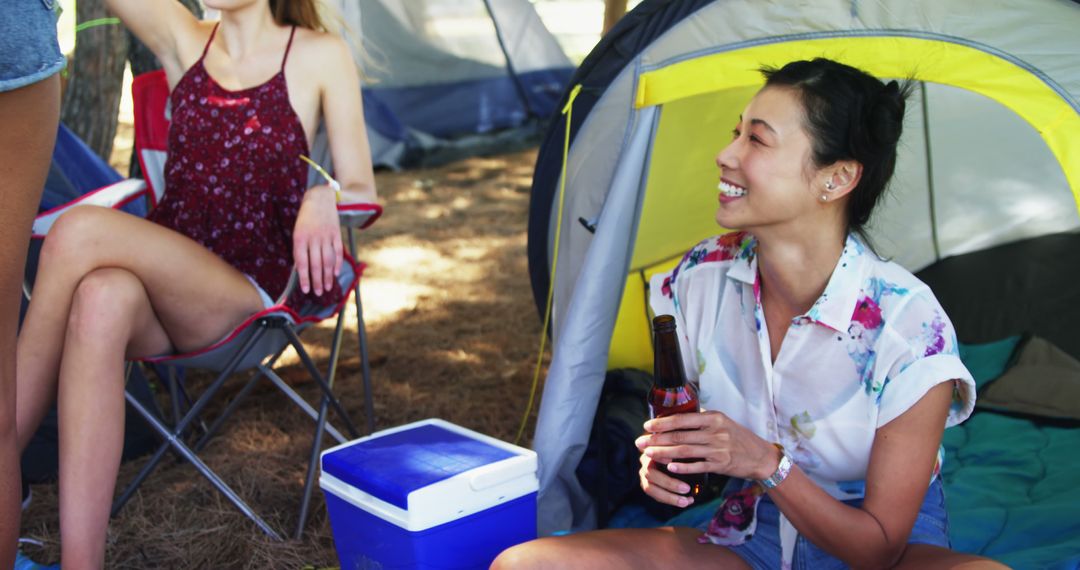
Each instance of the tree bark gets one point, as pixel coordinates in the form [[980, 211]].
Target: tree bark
[[95, 78], [613, 10]]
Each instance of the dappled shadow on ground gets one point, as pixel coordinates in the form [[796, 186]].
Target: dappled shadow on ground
[[453, 334]]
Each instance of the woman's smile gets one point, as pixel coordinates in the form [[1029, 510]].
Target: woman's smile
[[730, 191]]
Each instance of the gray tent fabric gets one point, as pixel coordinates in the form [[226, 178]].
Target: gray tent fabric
[[579, 361]]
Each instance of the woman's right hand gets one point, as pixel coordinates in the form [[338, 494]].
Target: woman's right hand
[[662, 487]]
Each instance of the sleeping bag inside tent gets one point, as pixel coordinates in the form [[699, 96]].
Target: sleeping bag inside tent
[[983, 207]]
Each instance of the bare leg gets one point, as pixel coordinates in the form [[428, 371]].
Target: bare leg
[[196, 296], [926, 557], [656, 548], [28, 117], [109, 285], [111, 317]]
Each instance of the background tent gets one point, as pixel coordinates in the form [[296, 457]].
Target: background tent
[[990, 162], [450, 78]]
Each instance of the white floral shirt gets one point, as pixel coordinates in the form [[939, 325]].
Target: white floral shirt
[[870, 347]]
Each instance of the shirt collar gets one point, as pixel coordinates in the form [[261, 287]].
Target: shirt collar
[[836, 306], [745, 266]]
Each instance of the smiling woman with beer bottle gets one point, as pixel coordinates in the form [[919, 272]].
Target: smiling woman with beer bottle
[[827, 373]]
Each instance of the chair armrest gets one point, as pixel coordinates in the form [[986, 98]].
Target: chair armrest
[[111, 196], [359, 215]]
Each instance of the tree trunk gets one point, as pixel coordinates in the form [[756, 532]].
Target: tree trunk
[[95, 78], [142, 60], [613, 10]]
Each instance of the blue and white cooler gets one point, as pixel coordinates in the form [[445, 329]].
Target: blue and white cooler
[[428, 494]]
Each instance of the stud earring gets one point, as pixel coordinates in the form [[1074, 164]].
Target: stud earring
[[824, 198], [829, 185]]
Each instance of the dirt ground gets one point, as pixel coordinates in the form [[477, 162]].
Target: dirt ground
[[453, 334]]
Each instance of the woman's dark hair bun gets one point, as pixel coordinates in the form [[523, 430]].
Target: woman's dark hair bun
[[850, 115], [886, 120]]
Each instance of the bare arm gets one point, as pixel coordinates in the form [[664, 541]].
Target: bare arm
[[873, 536], [163, 25], [901, 463], [317, 245], [343, 111]]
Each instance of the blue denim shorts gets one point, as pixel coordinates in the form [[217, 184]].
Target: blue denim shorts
[[762, 551], [28, 48]]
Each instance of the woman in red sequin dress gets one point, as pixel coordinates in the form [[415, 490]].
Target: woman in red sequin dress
[[246, 97]]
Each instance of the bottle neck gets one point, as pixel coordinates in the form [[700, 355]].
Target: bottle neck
[[668, 369]]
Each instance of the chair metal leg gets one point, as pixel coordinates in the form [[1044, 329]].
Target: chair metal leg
[[174, 394], [216, 481], [173, 439], [161, 413], [302, 403], [313, 461], [320, 424], [179, 397], [365, 364], [314, 371], [235, 403]]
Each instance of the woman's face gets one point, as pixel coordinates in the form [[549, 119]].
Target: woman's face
[[767, 176]]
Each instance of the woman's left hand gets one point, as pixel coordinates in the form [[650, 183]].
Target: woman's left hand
[[317, 247], [724, 446]]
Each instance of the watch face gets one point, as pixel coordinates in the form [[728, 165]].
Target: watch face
[[781, 473]]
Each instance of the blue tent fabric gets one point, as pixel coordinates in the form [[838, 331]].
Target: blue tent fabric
[[76, 170], [464, 107], [380, 117], [430, 92]]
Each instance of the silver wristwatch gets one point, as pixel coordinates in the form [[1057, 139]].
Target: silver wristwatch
[[781, 472]]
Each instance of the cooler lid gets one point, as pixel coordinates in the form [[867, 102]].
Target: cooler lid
[[391, 466]]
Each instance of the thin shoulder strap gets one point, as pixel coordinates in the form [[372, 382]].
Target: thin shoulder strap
[[288, 47], [206, 48]]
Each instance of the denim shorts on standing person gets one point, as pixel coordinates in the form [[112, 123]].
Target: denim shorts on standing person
[[762, 551], [29, 51]]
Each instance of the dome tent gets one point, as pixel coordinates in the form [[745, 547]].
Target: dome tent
[[990, 158], [449, 78]]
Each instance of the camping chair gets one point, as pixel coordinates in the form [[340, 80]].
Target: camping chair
[[257, 343]]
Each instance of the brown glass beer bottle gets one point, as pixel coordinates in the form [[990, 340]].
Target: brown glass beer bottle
[[671, 393]]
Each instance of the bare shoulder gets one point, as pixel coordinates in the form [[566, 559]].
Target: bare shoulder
[[325, 57]]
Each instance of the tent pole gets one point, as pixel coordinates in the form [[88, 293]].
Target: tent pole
[[509, 64], [929, 170]]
